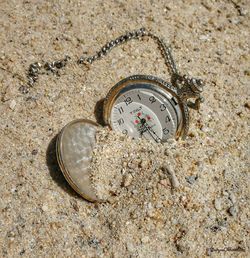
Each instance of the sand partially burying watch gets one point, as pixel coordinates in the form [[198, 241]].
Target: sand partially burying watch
[[122, 166]]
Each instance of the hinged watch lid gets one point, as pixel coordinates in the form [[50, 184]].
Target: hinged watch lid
[[75, 145]]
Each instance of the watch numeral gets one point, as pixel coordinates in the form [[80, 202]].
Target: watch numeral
[[152, 99], [128, 101], [163, 107], [120, 109], [167, 119], [165, 131], [120, 121], [139, 97], [125, 131]]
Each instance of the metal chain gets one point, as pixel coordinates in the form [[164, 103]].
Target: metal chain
[[37, 68], [137, 34]]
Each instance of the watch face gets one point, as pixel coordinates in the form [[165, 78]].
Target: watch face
[[141, 108]]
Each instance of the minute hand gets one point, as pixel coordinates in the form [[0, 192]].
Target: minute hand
[[151, 132], [145, 125]]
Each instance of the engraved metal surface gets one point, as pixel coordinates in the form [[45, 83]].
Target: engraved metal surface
[[74, 153]]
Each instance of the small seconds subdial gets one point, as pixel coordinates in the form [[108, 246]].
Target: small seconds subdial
[[144, 113]]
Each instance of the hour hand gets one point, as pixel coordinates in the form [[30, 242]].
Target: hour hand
[[142, 129]]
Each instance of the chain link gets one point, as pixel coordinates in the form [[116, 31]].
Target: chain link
[[37, 68], [137, 34]]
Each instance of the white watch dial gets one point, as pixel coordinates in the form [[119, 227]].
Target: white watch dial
[[143, 112]]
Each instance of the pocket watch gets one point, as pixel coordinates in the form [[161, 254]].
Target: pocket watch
[[147, 106], [138, 106]]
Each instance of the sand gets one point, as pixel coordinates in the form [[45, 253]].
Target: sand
[[149, 209], [120, 161], [206, 213]]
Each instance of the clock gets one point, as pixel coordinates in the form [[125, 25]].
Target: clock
[[147, 107]]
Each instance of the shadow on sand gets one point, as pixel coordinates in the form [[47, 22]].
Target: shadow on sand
[[99, 112]]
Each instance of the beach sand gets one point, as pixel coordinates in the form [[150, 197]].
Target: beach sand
[[197, 208]]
